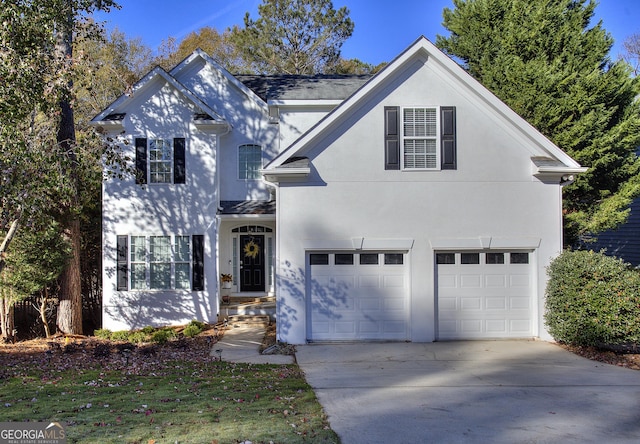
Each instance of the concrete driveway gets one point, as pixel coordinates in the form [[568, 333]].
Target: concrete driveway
[[471, 392]]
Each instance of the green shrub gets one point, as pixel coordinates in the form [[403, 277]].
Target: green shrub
[[198, 324], [148, 330], [137, 337], [122, 335], [102, 333], [592, 299], [191, 330], [163, 336]]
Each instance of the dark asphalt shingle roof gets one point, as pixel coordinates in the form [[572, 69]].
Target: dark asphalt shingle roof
[[292, 87], [248, 207]]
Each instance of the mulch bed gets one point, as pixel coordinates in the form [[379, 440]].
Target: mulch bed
[[65, 350]]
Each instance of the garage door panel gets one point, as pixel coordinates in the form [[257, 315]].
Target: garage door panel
[[370, 304], [490, 299], [470, 281], [522, 303], [447, 281], [472, 303], [470, 326], [496, 326], [393, 281], [495, 281], [345, 327], [396, 328], [365, 301], [397, 304], [520, 280], [522, 325], [447, 304], [496, 303], [369, 281]]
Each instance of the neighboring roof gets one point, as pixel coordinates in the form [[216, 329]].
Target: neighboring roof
[[248, 207], [292, 87], [425, 49], [116, 109]]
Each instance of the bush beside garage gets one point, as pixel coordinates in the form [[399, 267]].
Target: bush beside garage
[[593, 300]]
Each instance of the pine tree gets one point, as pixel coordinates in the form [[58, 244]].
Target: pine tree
[[546, 61], [294, 36]]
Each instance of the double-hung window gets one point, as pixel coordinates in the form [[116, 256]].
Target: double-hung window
[[160, 161], [249, 161], [420, 139], [160, 262]]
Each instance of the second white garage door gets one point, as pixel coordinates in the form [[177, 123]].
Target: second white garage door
[[358, 296], [484, 295]]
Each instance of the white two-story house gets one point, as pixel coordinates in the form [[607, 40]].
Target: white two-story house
[[412, 205]]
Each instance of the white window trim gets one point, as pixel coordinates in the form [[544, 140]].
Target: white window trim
[[164, 140], [437, 138], [147, 262]]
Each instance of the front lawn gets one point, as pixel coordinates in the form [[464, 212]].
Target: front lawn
[[171, 393]]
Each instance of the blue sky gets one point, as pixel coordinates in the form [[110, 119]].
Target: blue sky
[[381, 32]]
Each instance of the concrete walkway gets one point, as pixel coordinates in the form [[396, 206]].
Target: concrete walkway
[[471, 392], [242, 344]]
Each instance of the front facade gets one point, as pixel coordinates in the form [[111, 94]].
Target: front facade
[[411, 206]]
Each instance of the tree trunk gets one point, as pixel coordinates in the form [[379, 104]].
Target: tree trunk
[[13, 228], [42, 309], [70, 309], [7, 319]]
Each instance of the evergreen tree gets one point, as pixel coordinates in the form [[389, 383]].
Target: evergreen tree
[[550, 65], [294, 37]]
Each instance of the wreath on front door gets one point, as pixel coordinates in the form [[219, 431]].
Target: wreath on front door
[[251, 249]]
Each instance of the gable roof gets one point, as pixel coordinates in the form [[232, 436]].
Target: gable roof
[[422, 47], [233, 80], [116, 111]]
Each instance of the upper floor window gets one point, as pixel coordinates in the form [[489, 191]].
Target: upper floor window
[[249, 161], [160, 160], [420, 138]]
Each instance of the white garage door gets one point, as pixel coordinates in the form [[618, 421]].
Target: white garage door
[[484, 295], [358, 296]]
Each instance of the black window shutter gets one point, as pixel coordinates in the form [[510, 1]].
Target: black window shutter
[[122, 263], [197, 275], [141, 160], [179, 170], [391, 138], [448, 137]]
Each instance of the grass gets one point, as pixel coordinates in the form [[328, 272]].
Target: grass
[[158, 401]]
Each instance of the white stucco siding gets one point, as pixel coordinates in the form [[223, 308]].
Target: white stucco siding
[[446, 214], [249, 119], [486, 149], [162, 210], [295, 120], [490, 201]]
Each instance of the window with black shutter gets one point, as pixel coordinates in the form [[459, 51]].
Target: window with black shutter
[[160, 160], [420, 138]]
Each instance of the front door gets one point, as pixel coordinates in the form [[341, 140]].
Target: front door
[[251, 263]]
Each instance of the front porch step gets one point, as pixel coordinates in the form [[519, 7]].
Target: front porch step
[[240, 320], [267, 309], [250, 299]]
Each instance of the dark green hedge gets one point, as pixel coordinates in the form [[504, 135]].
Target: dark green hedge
[[593, 299]]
